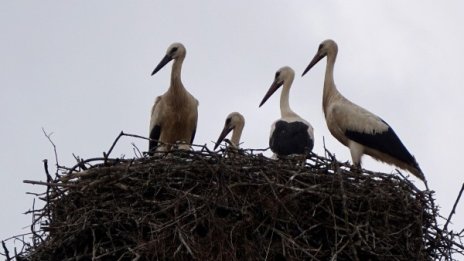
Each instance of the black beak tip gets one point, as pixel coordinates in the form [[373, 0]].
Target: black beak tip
[[306, 70], [155, 71], [218, 143]]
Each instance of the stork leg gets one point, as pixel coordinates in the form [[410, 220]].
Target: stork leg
[[182, 145], [357, 151]]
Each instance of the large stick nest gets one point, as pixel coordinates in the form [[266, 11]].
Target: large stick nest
[[209, 206]]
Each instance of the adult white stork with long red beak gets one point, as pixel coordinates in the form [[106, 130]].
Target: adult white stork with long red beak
[[175, 113], [360, 130]]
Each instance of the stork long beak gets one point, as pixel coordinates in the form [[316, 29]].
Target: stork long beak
[[313, 62], [274, 87], [167, 58], [224, 133]]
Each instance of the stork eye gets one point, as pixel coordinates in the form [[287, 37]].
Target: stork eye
[[320, 46], [228, 120], [277, 75], [173, 50]]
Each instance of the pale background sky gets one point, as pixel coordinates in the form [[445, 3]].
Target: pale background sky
[[81, 69]]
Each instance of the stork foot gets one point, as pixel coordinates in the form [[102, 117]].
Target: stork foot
[[356, 169]]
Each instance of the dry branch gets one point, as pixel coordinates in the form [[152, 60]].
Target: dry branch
[[454, 208]]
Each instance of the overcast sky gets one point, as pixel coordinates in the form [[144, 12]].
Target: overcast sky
[[81, 70]]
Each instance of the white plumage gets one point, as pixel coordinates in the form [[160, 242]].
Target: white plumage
[[175, 113], [290, 134], [360, 130]]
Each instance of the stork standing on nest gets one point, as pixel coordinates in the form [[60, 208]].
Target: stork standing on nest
[[360, 130], [175, 113], [290, 134], [235, 123]]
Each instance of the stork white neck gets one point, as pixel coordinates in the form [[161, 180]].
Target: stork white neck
[[176, 81], [236, 134], [285, 110], [330, 90]]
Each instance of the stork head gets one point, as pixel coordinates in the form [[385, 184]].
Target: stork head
[[326, 48], [175, 51], [284, 74], [234, 121]]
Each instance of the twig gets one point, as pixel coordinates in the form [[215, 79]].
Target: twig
[[184, 242], [269, 245], [36, 236], [54, 149], [7, 254], [327, 152], [50, 184], [445, 228], [290, 240], [106, 155], [137, 151], [83, 162], [49, 179]]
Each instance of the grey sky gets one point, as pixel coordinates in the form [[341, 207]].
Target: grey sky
[[81, 69]]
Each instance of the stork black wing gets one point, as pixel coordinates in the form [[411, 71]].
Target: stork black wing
[[193, 135], [386, 142], [290, 138], [154, 136]]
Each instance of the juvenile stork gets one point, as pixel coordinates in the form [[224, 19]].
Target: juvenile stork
[[290, 134], [235, 123], [360, 130], [175, 113]]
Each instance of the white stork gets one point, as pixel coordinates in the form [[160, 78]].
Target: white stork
[[175, 113], [360, 130], [235, 123], [290, 134]]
